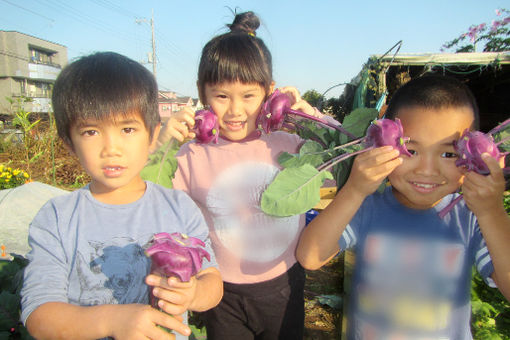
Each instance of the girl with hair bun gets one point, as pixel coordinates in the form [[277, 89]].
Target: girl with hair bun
[[263, 282]]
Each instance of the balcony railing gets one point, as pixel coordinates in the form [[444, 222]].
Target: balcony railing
[[43, 71]]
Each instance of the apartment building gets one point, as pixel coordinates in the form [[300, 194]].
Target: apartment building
[[28, 67]]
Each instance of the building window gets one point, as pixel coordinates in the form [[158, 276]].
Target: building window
[[38, 90], [40, 57]]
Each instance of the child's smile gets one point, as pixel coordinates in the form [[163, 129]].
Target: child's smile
[[235, 125], [422, 180]]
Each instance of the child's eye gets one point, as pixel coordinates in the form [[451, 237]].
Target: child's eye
[[89, 133], [412, 152], [128, 130], [221, 96], [449, 155]]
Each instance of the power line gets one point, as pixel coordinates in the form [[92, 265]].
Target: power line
[[28, 10], [66, 9], [115, 8]]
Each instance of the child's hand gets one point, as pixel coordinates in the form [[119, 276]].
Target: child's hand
[[371, 168], [297, 102], [484, 193], [179, 126], [174, 295], [137, 321]]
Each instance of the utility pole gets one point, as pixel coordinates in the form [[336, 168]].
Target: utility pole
[[152, 59], [153, 46]]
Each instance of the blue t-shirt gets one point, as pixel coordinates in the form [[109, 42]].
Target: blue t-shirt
[[412, 272], [86, 252]]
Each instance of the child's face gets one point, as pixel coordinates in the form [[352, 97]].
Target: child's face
[[422, 180], [113, 152], [237, 106]]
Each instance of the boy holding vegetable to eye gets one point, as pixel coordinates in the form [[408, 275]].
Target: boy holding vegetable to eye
[[413, 269], [85, 279]]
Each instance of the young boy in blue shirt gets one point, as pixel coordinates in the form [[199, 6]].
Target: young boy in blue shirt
[[413, 269], [85, 279]]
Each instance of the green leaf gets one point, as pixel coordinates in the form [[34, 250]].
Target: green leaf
[[294, 191], [162, 164], [310, 152], [334, 301], [358, 121], [505, 133], [35, 157], [9, 310]]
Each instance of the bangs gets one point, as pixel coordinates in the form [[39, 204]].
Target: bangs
[[235, 57]]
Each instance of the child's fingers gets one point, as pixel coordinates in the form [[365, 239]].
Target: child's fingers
[[303, 106], [378, 155], [174, 282], [185, 116], [189, 120], [168, 282], [170, 322], [169, 301], [292, 92], [493, 165]]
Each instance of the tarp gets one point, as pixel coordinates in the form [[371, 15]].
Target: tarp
[[364, 97], [18, 207]]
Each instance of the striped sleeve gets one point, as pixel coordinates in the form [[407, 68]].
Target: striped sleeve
[[483, 259]]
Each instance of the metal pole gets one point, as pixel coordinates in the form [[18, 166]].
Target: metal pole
[[153, 46]]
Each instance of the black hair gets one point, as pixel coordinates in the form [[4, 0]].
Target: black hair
[[433, 91], [238, 55], [101, 86]]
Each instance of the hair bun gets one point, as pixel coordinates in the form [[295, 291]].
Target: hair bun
[[246, 22]]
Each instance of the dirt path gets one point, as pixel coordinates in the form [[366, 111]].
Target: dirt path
[[323, 288]]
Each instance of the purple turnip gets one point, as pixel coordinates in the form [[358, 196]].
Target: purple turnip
[[276, 109], [206, 128], [382, 132], [385, 132], [470, 147], [175, 255]]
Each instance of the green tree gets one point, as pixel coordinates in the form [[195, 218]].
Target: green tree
[[493, 38], [313, 97]]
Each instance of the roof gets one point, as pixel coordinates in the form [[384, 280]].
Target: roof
[[178, 100], [468, 58], [32, 36]]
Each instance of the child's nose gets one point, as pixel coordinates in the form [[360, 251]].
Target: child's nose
[[235, 107], [427, 165], [111, 146]]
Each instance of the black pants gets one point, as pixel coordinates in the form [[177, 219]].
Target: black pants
[[269, 310]]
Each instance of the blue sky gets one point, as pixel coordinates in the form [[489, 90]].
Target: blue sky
[[315, 44]]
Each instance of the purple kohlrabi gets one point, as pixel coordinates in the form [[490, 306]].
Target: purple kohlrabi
[[272, 114], [175, 255], [381, 132], [276, 110], [471, 146], [384, 132], [206, 128]]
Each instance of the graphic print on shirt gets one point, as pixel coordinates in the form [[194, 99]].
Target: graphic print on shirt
[[112, 273], [407, 286], [239, 223]]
